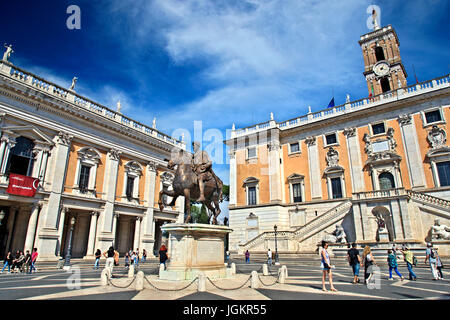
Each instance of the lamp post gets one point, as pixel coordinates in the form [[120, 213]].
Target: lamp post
[[69, 247], [276, 247]]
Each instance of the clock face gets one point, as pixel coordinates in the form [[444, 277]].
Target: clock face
[[381, 69]]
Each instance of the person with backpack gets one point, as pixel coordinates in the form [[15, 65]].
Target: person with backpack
[[98, 255], [409, 259], [355, 262], [393, 265], [431, 257], [8, 262], [368, 262]]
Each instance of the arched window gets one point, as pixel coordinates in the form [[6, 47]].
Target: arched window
[[379, 54], [386, 180], [21, 157]]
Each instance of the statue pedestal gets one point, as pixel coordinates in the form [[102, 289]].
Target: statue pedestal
[[383, 235], [195, 249]]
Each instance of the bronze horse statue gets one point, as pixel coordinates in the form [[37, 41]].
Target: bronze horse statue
[[185, 184]]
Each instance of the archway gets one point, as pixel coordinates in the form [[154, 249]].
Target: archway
[[383, 217]]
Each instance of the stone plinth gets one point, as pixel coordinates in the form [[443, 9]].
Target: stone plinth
[[195, 249]]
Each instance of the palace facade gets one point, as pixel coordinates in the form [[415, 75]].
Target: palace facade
[[99, 172], [378, 167]]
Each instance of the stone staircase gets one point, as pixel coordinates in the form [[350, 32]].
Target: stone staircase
[[430, 203], [301, 233]]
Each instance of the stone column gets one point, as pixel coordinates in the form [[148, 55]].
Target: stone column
[[114, 227], [233, 177], [57, 183], [412, 151], [396, 220], [357, 221], [406, 219], [92, 234], [354, 158], [9, 141], [137, 232], [107, 220], [32, 224], [274, 170], [314, 168], [62, 217], [13, 212], [366, 226]]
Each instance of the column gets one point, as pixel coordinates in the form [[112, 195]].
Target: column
[[149, 200], [32, 224], [10, 143], [62, 217], [406, 219], [314, 168], [92, 234], [57, 183], [412, 151], [13, 212], [110, 182], [274, 170], [233, 177], [357, 221], [396, 220], [137, 232], [114, 227]]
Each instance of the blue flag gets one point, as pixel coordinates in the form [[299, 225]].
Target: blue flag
[[331, 104]]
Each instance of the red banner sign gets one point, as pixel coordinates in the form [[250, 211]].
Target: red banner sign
[[22, 185]]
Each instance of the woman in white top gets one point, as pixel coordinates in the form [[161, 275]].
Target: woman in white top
[[326, 267]]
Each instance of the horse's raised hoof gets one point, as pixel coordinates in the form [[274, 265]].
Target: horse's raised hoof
[[188, 218], [161, 207]]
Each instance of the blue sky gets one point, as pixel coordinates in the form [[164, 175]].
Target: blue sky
[[219, 62]]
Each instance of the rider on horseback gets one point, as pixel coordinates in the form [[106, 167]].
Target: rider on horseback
[[202, 166]]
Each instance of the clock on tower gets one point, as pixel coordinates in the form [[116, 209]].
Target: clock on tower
[[383, 67]]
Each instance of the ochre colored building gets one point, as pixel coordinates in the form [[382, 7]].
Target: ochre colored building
[[378, 167]]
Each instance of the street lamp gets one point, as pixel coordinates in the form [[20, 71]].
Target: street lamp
[[69, 247], [276, 247]]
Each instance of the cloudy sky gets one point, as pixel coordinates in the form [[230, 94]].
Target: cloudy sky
[[218, 62]]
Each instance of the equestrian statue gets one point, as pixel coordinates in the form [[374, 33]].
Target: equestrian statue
[[195, 180]]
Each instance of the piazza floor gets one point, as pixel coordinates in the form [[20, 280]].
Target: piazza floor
[[303, 283]]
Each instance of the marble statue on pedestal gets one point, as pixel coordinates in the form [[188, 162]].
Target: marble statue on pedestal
[[440, 232], [74, 81], [8, 52], [337, 236]]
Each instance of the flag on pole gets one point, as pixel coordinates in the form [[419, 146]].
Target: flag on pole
[[331, 104], [371, 93]]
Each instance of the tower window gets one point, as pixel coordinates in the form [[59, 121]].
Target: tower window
[[385, 86], [379, 54], [130, 187], [251, 195]]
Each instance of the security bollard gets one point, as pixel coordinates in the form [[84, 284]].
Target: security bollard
[[255, 280], [201, 283], [281, 275], [140, 281], [265, 269], [286, 271], [233, 268], [161, 268], [131, 271], [104, 276]]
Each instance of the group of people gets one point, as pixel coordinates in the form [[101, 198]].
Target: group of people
[[131, 258], [367, 260], [135, 257], [20, 262]]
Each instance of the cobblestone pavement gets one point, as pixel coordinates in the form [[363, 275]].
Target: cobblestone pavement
[[303, 283]]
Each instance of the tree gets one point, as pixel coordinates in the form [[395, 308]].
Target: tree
[[226, 192]]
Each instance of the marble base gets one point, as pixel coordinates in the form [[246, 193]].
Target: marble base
[[195, 249]]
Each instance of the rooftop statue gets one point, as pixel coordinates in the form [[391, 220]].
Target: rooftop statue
[[8, 52], [194, 179]]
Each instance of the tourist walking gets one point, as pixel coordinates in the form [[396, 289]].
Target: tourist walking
[[409, 259], [127, 261], [431, 257], [7, 262], [439, 266], [355, 262], [269, 257], [227, 257], [110, 261], [144, 256], [325, 264], [18, 262], [27, 261], [369, 261], [393, 265], [247, 257], [163, 256], [34, 256], [98, 255]]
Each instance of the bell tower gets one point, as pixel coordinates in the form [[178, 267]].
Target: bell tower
[[383, 67]]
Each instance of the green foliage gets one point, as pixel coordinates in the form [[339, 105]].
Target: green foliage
[[199, 214], [226, 192]]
